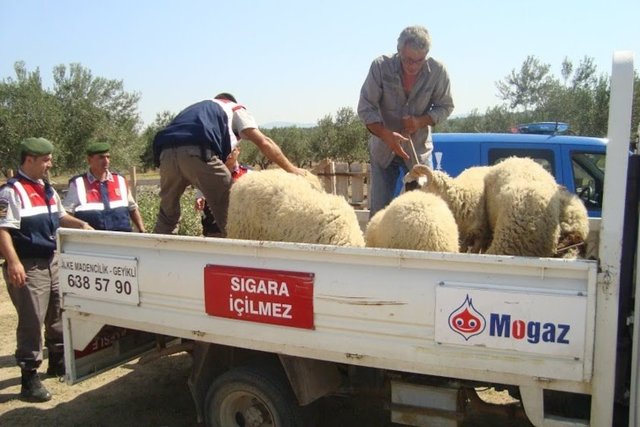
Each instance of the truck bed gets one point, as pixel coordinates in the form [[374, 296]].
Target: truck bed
[[383, 308]]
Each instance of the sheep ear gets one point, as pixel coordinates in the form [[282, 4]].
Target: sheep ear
[[420, 170], [409, 177]]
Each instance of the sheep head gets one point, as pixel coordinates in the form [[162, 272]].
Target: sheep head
[[574, 225], [465, 197], [436, 182]]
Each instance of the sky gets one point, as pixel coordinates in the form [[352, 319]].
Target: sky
[[298, 61]]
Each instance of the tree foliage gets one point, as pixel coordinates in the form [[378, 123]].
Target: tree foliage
[[78, 110], [81, 108], [344, 138], [293, 141], [580, 97], [146, 157], [528, 87], [26, 109]]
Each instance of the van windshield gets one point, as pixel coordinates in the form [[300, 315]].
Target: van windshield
[[588, 177]]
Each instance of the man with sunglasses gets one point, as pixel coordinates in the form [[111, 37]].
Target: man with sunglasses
[[192, 149], [403, 96]]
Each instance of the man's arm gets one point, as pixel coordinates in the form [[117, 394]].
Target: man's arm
[[270, 149], [71, 200], [369, 111], [136, 218], [441, 100], [134, 212], [15, 270], [70, 221]]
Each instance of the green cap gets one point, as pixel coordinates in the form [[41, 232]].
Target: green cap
[[36, 146], [98, 148]]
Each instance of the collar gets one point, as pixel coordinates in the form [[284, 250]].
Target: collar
[[22, 174], [92, 178]]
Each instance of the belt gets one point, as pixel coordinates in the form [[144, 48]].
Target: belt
[[206, 153]]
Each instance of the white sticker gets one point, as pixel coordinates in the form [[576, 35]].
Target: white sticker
[[522, 321], [100, 277]]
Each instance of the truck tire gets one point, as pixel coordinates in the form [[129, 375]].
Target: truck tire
[[254, 397]]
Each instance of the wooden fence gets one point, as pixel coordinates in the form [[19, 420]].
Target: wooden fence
[[347, 180]]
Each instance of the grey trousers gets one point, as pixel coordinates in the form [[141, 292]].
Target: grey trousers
[[37, 303], [183, 166]]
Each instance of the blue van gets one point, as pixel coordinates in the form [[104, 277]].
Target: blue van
[[577, 162]]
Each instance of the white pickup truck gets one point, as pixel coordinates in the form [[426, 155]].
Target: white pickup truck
[[273, 327]]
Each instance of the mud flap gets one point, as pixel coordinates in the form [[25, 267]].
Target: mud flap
[[91, 348]]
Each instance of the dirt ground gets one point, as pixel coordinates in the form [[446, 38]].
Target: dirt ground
[[153, 394]]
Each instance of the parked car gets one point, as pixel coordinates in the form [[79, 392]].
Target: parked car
[[542, 128], [577, 162]]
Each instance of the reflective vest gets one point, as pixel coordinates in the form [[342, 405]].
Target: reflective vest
[[39, 219], [104, 205], [206, 124]]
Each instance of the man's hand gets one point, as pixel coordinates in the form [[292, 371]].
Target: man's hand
[[413, 124], [16, 274], [299, 171], [199, 204], [396, 141]]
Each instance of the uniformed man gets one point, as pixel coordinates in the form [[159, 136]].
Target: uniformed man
[[30, 214], [101, 197]]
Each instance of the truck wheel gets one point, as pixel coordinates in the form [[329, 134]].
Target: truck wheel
[[253, 397]]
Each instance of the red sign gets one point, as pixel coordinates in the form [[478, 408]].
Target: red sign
[[103, 339], [259, 295]]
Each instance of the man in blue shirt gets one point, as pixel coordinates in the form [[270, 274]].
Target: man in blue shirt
[[30, 214], [192, 150], [101, 197]]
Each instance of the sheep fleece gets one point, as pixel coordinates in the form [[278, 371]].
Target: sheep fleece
[[466, 199], [414, 220], [278, 206], [528, 212]]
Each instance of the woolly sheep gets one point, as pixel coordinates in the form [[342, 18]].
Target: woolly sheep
[[465, 197], [414, 220], [574, 226], [278, 206], [519, 210], [528, 212]]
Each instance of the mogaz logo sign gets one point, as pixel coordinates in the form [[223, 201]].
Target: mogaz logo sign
[[466, 320], [533, 322]]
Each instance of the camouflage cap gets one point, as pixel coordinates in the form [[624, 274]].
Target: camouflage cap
[[36, 146], [98, 148]]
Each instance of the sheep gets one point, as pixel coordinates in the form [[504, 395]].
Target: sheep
[[414, 220], [465, 197], [529, 213], [574, 226], [278, 206], [512, 208]]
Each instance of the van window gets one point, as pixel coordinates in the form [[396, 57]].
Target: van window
[[588, 177], [543, 157]]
